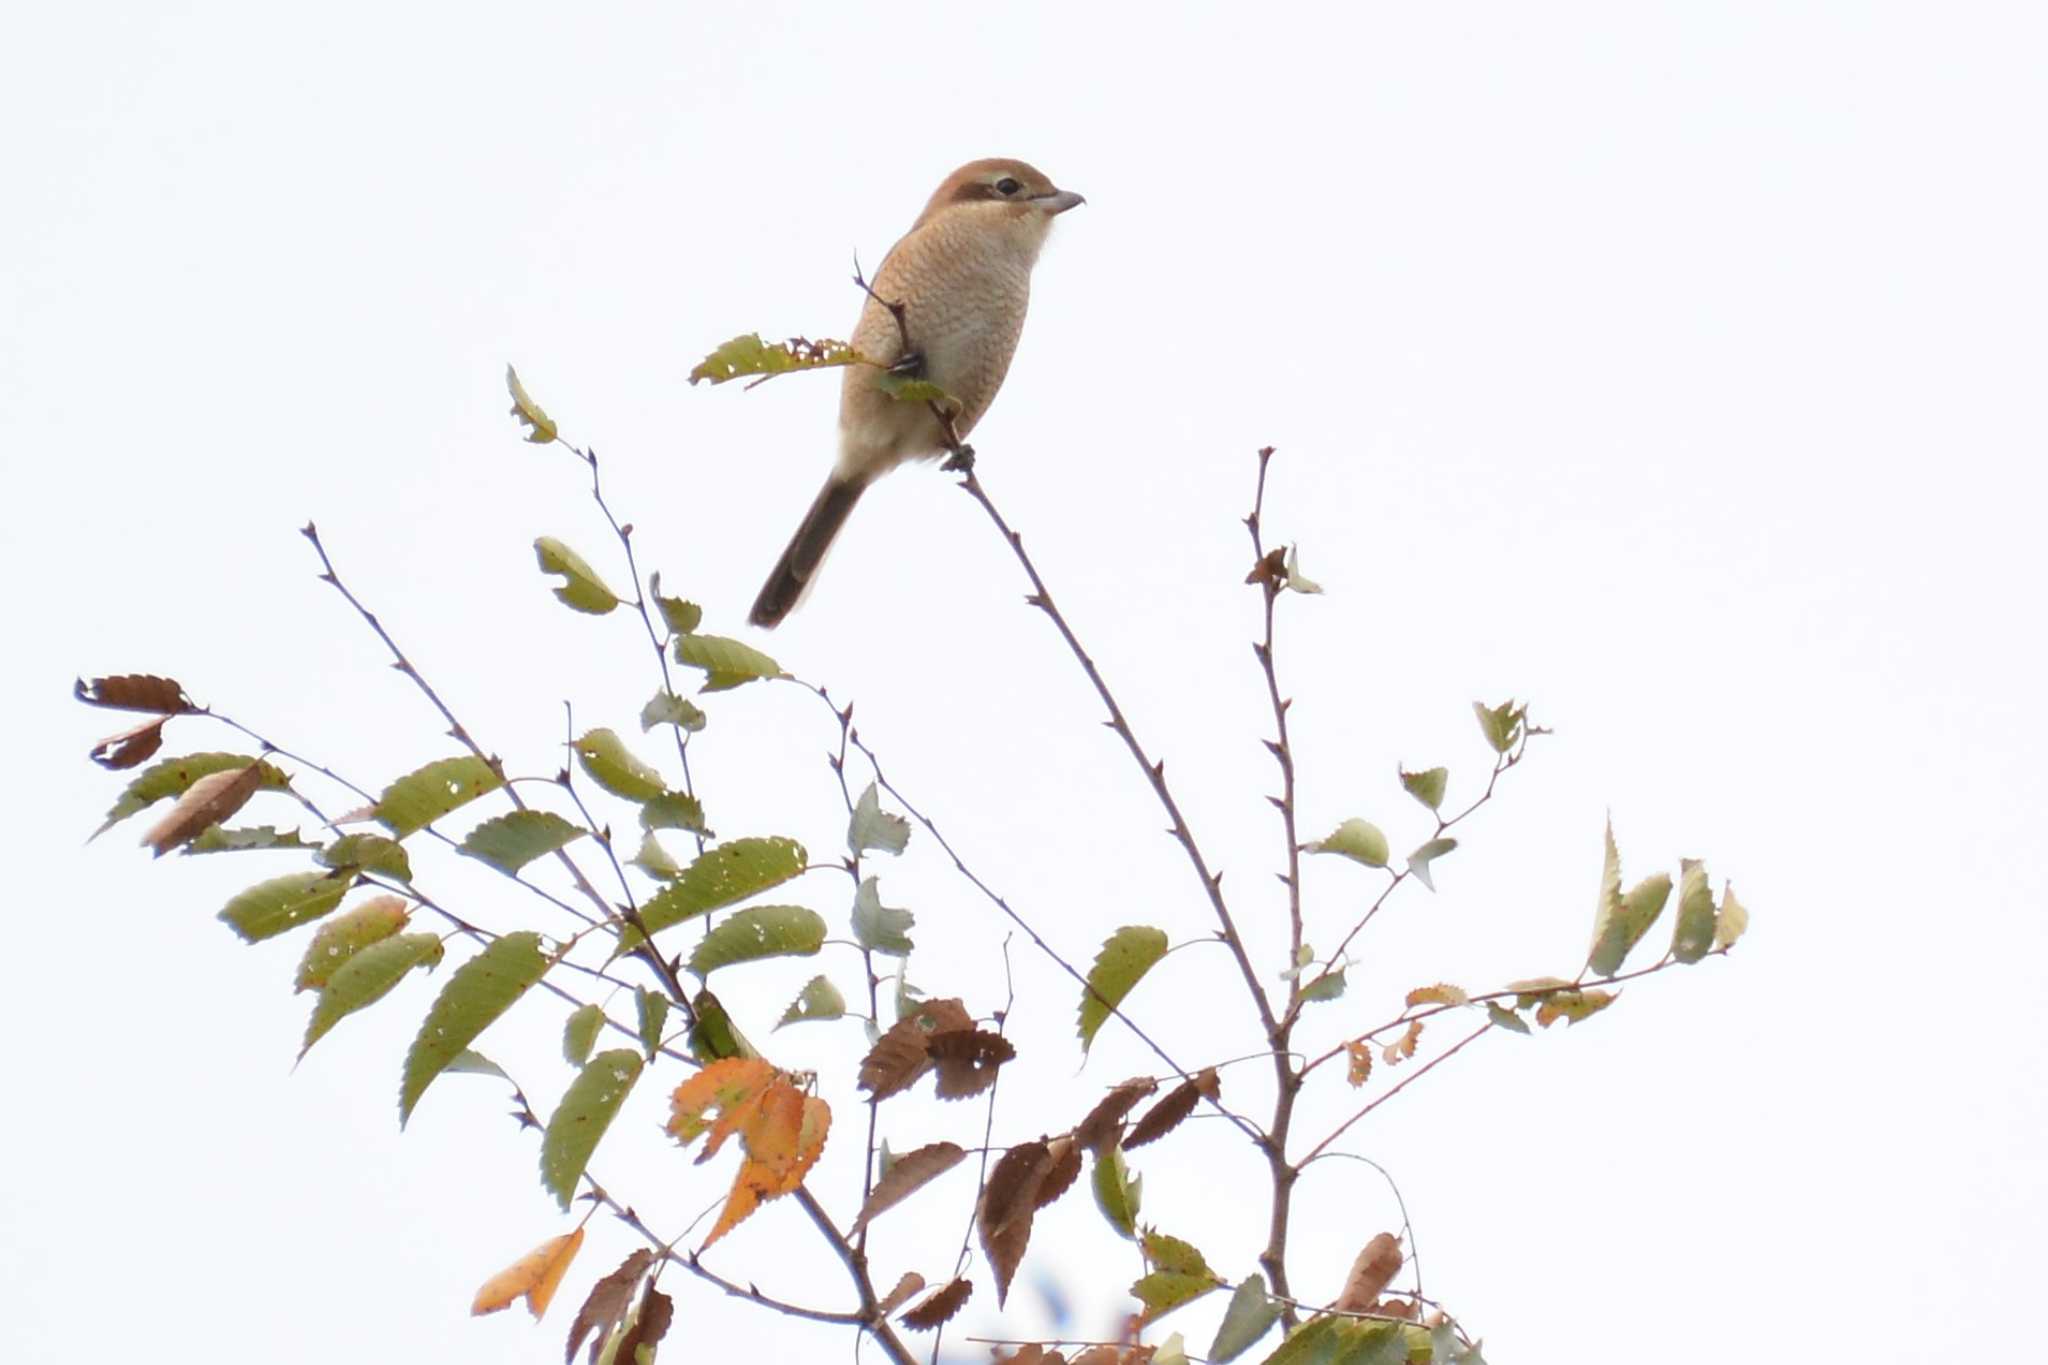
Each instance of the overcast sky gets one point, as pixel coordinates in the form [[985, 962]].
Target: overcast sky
[[1674, 368]]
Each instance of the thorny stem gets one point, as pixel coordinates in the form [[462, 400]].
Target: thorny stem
[[1417, 1074]]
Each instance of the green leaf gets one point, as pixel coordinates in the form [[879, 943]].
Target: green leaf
[[1250, 1316], [1126, 956], [1693, 933], [579, 1033], [477, 992], [347, 934], [1421, 858], [906, 388], [587, 1109], [1639, 910], [1427, 786], [819, 1000], [714, 1036], [220, 839], [510, 841], [1358, 840], [681, 617], [877, 927], [605, 758], [581, 587], [873, 828], [1118, 1193], [673, 810], [749, 355], [1327, 987], [666, 708], [1179, 1275], [527, 411], [1506, 1018], [1731, 921], [719, 877], [476, 1064], [652, 1009], [1372, 1343], [760, 931], [1502, 725], [426, 794], [268, 909], [1316, 1342], [172, 776], [368, 853], [727, 663], [654, 860], [367, 977]]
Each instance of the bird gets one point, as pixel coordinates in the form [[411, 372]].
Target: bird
[[946, 305]]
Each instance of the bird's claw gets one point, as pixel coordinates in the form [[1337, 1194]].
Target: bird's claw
[[910, 365], [960, 461]]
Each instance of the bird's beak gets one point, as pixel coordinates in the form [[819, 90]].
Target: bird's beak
[[1059, 201]]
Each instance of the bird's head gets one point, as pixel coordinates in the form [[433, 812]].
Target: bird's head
[[1013, 195]]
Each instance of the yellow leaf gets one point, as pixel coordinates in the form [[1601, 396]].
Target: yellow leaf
[[1440, 994], [731, 1086], [528, 411], [534, 1277]]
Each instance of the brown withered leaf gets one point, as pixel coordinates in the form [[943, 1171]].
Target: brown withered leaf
[[1402, 1048], [533, 1277], [1032, 1354], [1064, 1170], [940, 1306], [1165, 1116], [1370, 1275], [657, 1311], [207, 802], [134, 692], [1106, 1354], [968, 1061], [907, 1175], [900, 1295], [1360, 1053], [902, 1055], [606, 1304], [1395, 1308], [131, 746], [1270, 570], [1007, 1203], [1105, 1121]]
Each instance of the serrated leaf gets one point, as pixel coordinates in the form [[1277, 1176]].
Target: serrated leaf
[[1502, 725], [368, 853], [1443, 993], [606, 1305], [673, 810], [726, 663], [1358, 840], [347, 934], [476, 993], [1125, 957], [666, 708], [580, 1120], [877, 927], [906, 1175], [604, 756], [135, 692], [749, 355], [268, 909], [1732, 919], [175, 776], [1693, 933], [1573, 1006], [817, 1002], [1315, 1342], [1640, 909], [242, 839], [510, 841], [651, 1012], [581, 588], [367, 977], [1421, 858], [655, 860], [426, 794], [1118, 1193], [719, 877], [873, 828], [579, 1033], [1506, 1018], [1426, 786], [681, 617], [1162, 1291], [541, 426], [1250, 1316], [758, 932]]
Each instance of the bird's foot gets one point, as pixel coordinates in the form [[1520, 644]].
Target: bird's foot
[[960, 461], [910, 365]]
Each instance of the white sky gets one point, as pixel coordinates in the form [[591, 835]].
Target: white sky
[[1677, 368]]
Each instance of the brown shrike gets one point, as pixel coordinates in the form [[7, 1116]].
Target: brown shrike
[[962, 278]]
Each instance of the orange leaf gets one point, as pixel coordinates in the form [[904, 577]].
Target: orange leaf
[[1371, 1273], [1443, 993], [534, 1277], [783, 1140], [207, 802], [731, 1086], [1360, 1053], [1402, 1048]]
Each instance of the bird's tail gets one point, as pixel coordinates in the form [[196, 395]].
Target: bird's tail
[[792, 574]]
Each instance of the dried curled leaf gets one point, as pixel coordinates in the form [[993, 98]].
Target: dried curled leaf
[[1371, 1273], [968, 1060], [910, 1284], [1064, 1170], [527, 411], [533, 1277], [902, 1055], [207, 802], [1440, 994], [1104, 1123], [1165, 1116], [605, 1306], [907, 1175], [1008, 1202], [1360, 1055], [939, 1306], [134, 692], [650, 1325], [131, 746], [1402, 1048]]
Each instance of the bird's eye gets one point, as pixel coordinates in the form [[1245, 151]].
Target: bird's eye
[[1007, 186]]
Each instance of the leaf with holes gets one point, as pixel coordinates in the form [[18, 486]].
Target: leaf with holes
[[719, 877], [726, 663], [817, 1002], [580, 1120], [477, 992], [243, 838], [1358, 840], [345, 935], [270, 908], [1125, 958], [509, 842], [1573, 1006], [967, 1061], [367, 977], [581, 588], [760, 931], [674, 810], [666, 708], [607, 761], [426, 794], [749, 355]]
